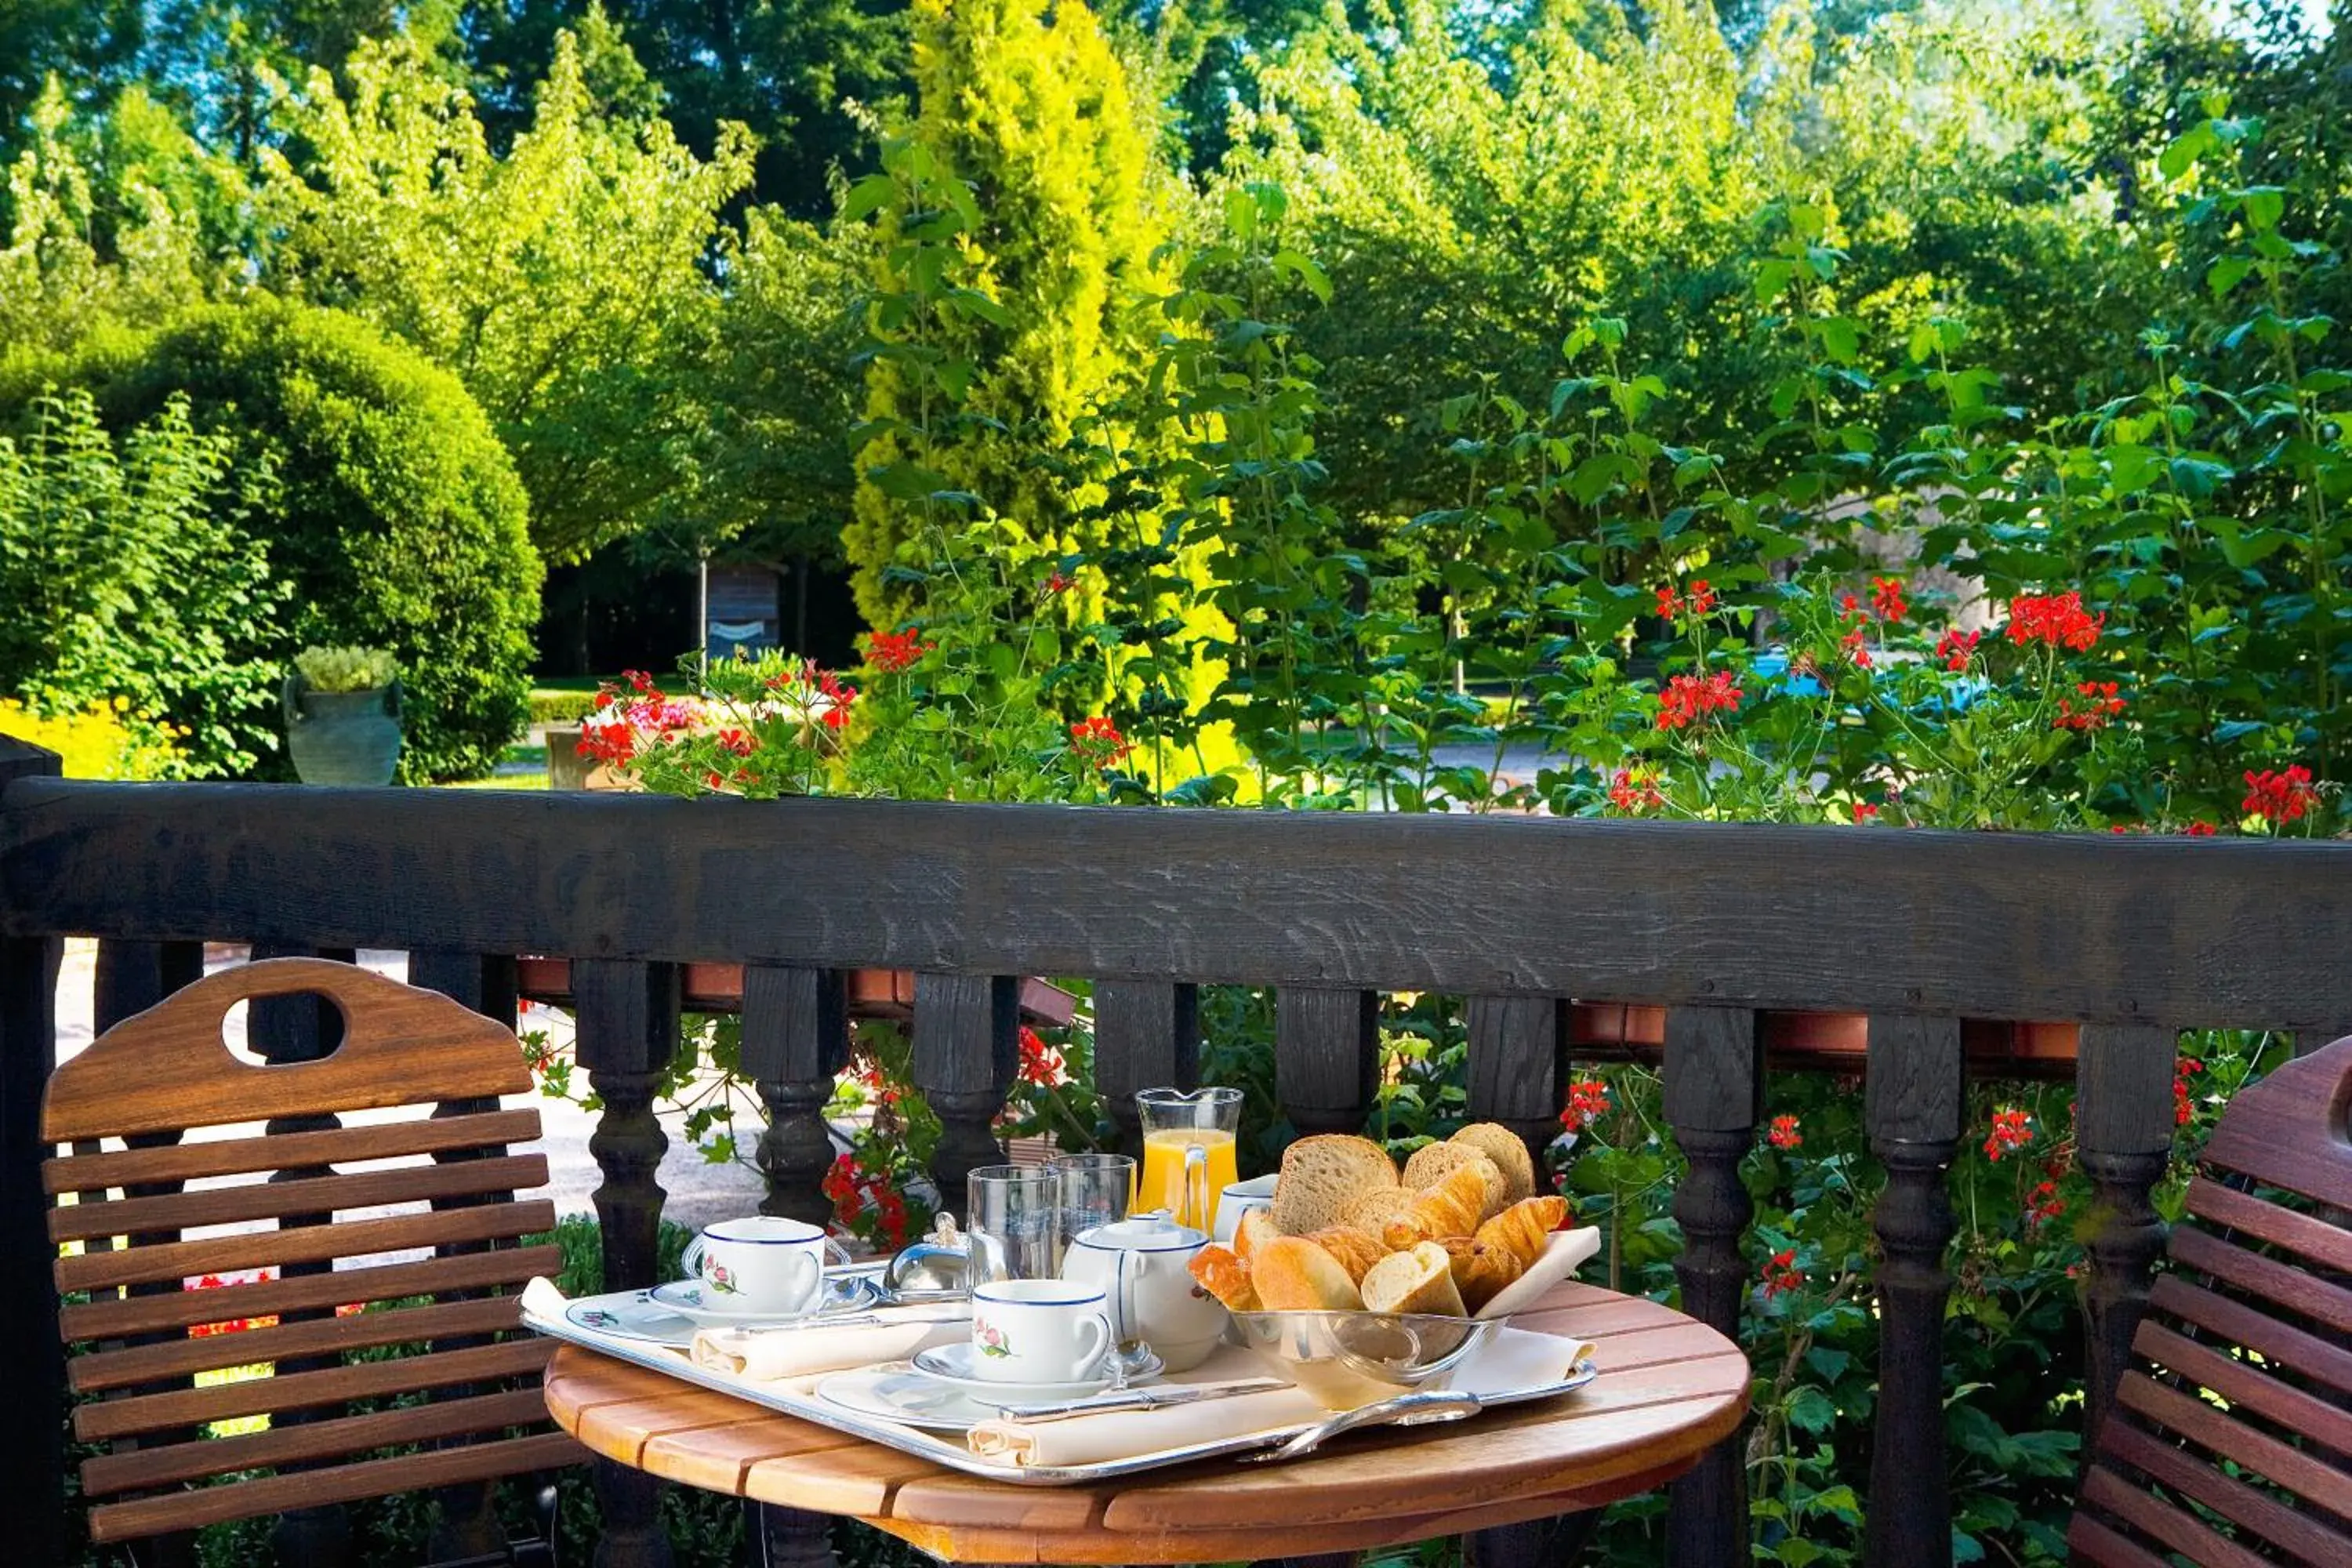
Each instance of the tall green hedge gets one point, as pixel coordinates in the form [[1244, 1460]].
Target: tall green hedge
[[393, 511]]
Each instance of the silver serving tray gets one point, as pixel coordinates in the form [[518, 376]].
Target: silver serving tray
[[954, 1455]]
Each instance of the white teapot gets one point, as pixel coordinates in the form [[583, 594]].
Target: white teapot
[[1141, 1265]]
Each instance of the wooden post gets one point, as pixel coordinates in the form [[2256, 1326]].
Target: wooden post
[[1913, 1108], [1519, 1068], [32, 1446], [2123, 1126], [795, 1041], [1326, 1057], [1714, 1093], [966, 1048], [627, 1020], [1147, 1036]]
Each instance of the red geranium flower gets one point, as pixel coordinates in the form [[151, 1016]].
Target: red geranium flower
[[1887, 598], [2044, 1204], [1956, 648], [1855, 644], [1784, 1133], [1098, 742], [1864, 811], [2200, 830], [1688, 700], [1633, 792], [890, 652], [2279, 797], [1587, 1099], [2054, 620], [2011, 1130], [2101, 704], [1781, 1274]]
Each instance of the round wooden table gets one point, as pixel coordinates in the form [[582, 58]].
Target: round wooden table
[[1669, 1387]]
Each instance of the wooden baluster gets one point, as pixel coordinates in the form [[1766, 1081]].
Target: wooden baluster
[[795, 1040], [1147, 1036], [1519, 1067], [1913, 1108], [280, 1030], [128, 978], [466, 1524], [776, 1537], [1326, 1057], [1714, 1093], [32, 1444], [966, 1048], [628, 1018], [2123, 1129]]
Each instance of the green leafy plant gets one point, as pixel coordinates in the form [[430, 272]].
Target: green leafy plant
[[341, 670]]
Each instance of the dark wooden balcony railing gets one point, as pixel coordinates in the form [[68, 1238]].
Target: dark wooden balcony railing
[[1942, 942]]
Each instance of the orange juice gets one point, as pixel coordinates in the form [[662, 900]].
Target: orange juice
[[1161, 1185]]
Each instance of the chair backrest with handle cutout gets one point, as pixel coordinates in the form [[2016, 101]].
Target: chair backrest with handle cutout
[[2230, 1439], [430, 1261]]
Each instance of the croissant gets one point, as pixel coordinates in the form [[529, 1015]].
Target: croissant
[[1523, 1228], [1226, 1276], [1451, 1207], [1481, 1270], [1356, 1250]]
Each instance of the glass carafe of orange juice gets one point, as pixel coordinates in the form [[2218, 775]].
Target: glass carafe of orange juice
[[1188, 1151]]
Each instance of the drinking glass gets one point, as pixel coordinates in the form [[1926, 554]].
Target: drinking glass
[[1096, 1189], [1016, 1230]]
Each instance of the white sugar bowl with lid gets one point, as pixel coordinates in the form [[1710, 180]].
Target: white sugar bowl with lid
[[1142, 1266]]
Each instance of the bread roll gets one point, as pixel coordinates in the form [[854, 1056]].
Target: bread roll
[[1375, 1206], [1452, 1207], [1321, 1175], [1294, 1274], [1508, 1152], [1255, 1229], [1225, 1276], [1420, 1279], [1356, 1250], [1432, 1162], [1524, 1227], [1480, 1270]]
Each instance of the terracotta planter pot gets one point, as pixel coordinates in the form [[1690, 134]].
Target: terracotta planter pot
[[1827, 1042], [719, 988]]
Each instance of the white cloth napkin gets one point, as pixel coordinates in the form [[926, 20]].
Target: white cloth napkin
[[1565, 1251], [770, 1355], [1122, 1434]]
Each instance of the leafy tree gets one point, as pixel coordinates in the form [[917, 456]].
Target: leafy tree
[[107, 227], [1027, 108], [803, 76], [563, 282], [132, 584], [396, 518]]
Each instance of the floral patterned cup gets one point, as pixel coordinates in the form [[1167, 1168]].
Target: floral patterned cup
[[761, 1265], [1039, 1330]]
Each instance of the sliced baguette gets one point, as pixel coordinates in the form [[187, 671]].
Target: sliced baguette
[[1321, 1175], [1420, 1279], [1503, 1146], [1294, 1274]]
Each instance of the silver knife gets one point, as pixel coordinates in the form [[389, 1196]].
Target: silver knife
[[1138, 1399]]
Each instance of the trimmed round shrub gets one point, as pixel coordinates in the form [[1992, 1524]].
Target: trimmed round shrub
[[391, 506]]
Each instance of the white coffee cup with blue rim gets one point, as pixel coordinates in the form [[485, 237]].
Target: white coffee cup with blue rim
[[762, 1264]]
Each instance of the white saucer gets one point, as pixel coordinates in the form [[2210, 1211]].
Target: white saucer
[[895, 1392], [688, 1298], [956, 1365]]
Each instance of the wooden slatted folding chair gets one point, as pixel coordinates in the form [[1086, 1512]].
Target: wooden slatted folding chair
[[164, 1211], [2229, 1441]]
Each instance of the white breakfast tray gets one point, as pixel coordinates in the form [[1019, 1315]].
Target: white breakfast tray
[[1496, 1373]]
